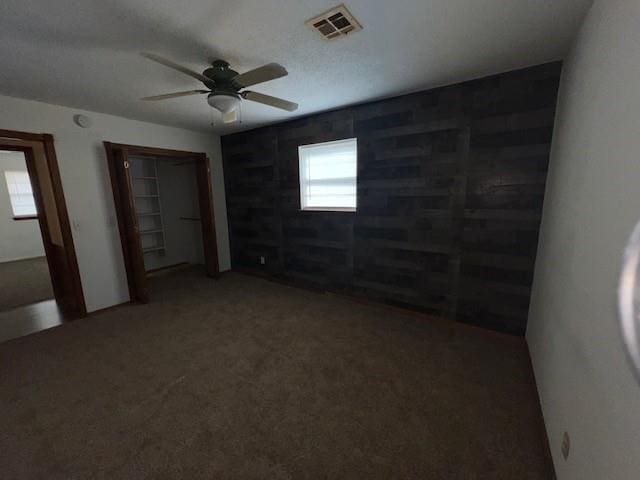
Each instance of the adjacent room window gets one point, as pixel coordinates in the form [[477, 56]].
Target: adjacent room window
[[20, 194], [328, 174]]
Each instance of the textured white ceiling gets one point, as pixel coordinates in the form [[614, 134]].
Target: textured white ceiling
[[85, 53]]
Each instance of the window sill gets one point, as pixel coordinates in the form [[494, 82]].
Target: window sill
[[328, 209], [26, 217]]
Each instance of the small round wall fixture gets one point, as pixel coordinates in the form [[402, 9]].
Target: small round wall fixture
[[82, 121]]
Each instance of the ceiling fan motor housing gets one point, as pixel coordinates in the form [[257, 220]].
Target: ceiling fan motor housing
[[221, 75], [224, 96]]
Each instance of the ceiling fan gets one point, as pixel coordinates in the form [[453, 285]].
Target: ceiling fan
[[224, 85]]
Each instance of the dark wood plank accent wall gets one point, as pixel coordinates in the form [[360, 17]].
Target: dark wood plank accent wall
[[450, 189]]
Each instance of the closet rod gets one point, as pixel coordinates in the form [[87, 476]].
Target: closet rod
[[187, 162]]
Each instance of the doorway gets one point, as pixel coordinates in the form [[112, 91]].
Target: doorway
[[38, 261], [164, 206], [24, 273]]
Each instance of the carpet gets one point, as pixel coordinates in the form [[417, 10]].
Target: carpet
[[242, 378], [23, 282]]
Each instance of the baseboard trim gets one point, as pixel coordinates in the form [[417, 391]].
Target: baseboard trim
[[112, 307], [543, 424], [167, 267], [22, 258]]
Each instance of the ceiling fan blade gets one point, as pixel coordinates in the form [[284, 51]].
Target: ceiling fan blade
[[175, 66], [230, 117], [175, 95], [269, 100], [265, 73]]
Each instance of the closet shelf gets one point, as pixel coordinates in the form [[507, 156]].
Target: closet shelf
[[152, 249], [148, 194]]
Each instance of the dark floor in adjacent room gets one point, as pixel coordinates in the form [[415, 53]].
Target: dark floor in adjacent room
[[27, 319], [24, 282], [245, 378]]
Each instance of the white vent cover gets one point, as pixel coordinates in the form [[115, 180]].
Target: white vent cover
[[334, 23]]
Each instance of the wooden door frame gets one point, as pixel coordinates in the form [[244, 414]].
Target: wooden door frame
[[133, 253], [79, 308]]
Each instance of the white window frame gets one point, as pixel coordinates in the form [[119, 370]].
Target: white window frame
[[18, 187], [304, 152]]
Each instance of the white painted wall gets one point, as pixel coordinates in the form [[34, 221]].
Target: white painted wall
[[85, 179], [18, 239], [592, 203]]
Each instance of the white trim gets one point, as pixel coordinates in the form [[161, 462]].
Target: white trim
[[349, 182]]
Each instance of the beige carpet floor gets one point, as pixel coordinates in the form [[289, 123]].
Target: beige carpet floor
[[23, 282], [241, 378]]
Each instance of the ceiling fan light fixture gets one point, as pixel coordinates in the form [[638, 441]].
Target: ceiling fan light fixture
[[224, 102]]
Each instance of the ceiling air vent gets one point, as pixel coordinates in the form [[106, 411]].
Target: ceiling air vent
[[335, 23]]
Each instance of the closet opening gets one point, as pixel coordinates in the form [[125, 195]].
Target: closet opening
[[164, 206]]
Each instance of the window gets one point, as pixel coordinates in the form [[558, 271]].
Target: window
[[20, 194], [328, 174]]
